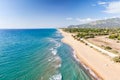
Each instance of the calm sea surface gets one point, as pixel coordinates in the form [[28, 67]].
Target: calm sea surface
[[37, 54]]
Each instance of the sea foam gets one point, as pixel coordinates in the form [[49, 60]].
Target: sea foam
[[56, 77], [54, 52]]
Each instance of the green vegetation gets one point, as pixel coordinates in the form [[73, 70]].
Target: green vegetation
[[113, 36], [108, 48], [116, 59], [114, 33], [92, 32]]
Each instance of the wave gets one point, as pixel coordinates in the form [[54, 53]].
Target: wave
[[55, 47], [54, 52], [57, 62], [57, 76], [75, 57], [57, 43], [57, 34], [56, 58], [85, 67]]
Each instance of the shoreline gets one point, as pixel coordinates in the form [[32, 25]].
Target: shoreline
[[101, 66], [87, 67], [94, 75]]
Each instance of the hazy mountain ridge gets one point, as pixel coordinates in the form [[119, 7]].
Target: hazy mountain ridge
[[107, 23]]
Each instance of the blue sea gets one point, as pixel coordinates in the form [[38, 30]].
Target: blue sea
[[37, 54]]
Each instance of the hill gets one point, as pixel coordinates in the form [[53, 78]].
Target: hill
[[107, 23]]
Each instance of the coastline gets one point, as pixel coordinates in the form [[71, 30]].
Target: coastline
[[101, 65]]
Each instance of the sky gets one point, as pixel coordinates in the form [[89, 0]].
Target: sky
[[55, 13]]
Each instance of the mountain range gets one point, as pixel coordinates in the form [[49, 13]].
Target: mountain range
[[106, 23]]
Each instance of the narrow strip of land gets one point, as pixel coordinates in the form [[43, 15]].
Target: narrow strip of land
[[99, 63]]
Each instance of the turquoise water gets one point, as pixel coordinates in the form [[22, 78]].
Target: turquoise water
[[37, 54]]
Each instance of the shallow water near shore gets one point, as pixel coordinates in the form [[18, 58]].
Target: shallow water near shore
[[37, 54]]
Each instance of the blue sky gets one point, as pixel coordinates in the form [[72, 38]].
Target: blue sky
[[54, 13]]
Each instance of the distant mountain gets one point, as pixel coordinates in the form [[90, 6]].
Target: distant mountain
[[107, 23]]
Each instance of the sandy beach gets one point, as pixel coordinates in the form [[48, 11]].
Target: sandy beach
[[102, 65]]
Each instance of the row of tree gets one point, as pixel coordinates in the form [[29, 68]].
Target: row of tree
[[114, 33]]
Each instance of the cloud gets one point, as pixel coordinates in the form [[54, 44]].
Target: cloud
[[69, 18], [111, 7], [102, 3], [86, 20]]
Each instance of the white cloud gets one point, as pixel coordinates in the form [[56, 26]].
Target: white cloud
[[111, 7], [87, 20], [102, 3], [69, 18]]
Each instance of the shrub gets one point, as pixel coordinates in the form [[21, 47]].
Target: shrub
[[118, 37], [113, 36], [116, 59], [86, 44], [114, 51], [107, 47], [118, 41]]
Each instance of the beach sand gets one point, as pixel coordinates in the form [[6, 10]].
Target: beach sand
[[99, 63]]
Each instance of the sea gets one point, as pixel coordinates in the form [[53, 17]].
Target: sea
[[38, 54]]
